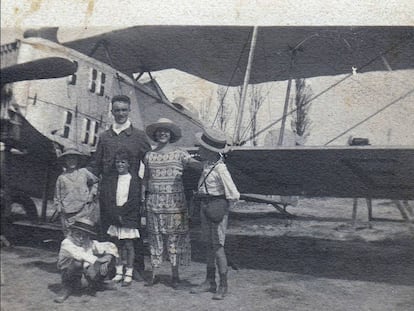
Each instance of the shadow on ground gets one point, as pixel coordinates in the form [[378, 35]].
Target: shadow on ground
[[49, 267], [282, 218], [386, 261]]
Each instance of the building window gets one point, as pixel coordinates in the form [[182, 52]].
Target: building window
[[92, 80], [67, 125], [100, 90], [95, 134], [97, 82], [86, 130], [72, 78], [90, 132]]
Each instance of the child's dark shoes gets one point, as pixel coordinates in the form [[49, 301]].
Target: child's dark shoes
[[152, 281], [137, 276], [64, 293], [103, 286], [175, 282]]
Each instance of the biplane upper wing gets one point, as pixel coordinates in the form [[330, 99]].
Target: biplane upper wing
[[363, 171], [220, 53]]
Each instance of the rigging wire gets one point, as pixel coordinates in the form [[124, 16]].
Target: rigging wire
[[238, 63], [67, 108], [250, 124], [232, 76], [294, 110], [371, 116], [326, 90], [317, 34]]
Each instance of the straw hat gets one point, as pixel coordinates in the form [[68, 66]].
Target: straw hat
[[85, 225], [166, 124], [213, 140]]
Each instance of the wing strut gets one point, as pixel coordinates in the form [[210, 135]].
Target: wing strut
[[245, 84], [285, 107], [287, 96], [392, 48]]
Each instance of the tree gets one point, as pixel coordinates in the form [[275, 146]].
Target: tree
[[256, 100], [223, 112], [301, 122]]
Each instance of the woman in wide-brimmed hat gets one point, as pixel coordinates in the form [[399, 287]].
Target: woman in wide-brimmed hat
[[215, 190], [75, 190], [167, 213]]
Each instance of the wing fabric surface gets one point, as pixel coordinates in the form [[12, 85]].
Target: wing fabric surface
[[325, 172], [219, 53]]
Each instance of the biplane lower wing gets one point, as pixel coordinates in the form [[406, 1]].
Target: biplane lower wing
[[371, 172]]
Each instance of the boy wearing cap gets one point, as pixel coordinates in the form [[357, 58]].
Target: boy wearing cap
[[215, 191], [80, 256], [75, 190]]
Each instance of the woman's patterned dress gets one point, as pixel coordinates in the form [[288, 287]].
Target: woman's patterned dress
[[167, 213]]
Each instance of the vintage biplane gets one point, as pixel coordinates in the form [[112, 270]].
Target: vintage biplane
[[49, 114]]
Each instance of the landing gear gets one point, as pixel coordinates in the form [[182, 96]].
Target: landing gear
[[18, 206], [15, 206]]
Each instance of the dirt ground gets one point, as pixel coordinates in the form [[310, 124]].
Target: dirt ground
[[317, 260]]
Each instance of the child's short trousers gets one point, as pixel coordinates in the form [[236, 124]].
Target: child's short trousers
[[214, 233]]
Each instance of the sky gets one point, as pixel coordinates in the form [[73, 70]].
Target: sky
[[98, 13], [331, 114]]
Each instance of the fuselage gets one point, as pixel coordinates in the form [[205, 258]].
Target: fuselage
[[44, 116]]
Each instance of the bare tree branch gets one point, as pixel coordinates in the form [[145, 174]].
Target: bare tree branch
[[301, 122]]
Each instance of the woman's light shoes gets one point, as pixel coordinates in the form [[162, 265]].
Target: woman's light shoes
[[119, 274], [128, 277], [127, 281], [118, 278]]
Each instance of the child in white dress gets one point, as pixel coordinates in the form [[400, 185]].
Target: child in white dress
[[124, 202]]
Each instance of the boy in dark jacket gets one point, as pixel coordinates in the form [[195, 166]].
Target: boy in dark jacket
[[124, 200]]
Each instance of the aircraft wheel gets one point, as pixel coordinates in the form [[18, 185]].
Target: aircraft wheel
[[15, 206], [21, 206]]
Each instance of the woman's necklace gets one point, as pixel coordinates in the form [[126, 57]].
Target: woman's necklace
[[164, 148]]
